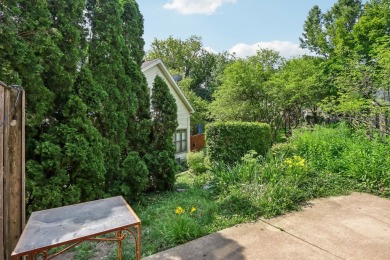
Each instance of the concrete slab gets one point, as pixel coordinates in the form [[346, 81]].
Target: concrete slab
[[347, 227], [351, 227]]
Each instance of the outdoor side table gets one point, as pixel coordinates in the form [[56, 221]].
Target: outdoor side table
[[74, 224]]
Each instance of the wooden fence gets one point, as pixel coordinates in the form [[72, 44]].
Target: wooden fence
[[12, 168], [197, 142]]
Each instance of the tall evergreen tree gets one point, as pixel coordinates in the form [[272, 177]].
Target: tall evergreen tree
[[161, 162], [106, 65], [132, 55], [88, 120], [114, 60], [68, 164]]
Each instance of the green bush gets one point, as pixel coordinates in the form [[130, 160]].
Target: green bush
[[196, 162], [134, 177], [162, 170], [229, 141]]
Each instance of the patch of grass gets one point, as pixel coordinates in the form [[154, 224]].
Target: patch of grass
[[184, 180], [163, 228], [84, 250]]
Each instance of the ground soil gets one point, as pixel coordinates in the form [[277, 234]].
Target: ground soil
[[103, 249]]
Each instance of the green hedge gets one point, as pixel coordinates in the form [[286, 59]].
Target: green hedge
[[229, 141]]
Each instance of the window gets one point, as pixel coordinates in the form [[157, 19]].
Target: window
[[180, 140]]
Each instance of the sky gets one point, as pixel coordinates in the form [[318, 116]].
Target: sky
[[239, 26]]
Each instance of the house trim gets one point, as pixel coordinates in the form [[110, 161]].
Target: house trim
[[157, 62]]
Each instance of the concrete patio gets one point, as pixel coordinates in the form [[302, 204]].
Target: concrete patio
[[346, 227]]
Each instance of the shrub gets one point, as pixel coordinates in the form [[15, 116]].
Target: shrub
[[182, 165], [229, 141], [282, 149], [134, 177], [196, 162], [162, 170]]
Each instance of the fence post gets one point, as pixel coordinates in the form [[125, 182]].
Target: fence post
[[12, 173], [2, 204]]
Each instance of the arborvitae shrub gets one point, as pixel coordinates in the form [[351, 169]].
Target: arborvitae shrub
[[161, 158], [229, 141], [134, 177]]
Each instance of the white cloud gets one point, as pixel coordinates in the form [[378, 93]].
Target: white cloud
[[187, 7], [210, 50], [286, 49]]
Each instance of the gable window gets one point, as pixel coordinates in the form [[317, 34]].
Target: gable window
[[180, 140]]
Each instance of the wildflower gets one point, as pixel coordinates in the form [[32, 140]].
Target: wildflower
[[295, 161], [289, 162], [193, 209], [179, 211]]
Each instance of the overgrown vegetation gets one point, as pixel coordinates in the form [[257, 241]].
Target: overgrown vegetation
[[349, 155], [315, 162], [90, 133]]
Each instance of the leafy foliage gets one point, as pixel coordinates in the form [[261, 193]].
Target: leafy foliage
[[134, 176], [187, 58], [196, 162], [348, 154], [229, 141], [351, 36], [246, 93]]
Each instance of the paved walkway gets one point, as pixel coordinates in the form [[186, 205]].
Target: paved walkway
[[347, 227]]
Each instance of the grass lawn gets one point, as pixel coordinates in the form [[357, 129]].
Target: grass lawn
[[163, 228]]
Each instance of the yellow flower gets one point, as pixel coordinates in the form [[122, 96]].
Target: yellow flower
[[301, 163], [289, 162], [295, 161], [193, 209], [179, 211]]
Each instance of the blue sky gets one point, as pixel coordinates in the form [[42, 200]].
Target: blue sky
[[239, 26]]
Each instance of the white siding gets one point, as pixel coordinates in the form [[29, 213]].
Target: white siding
[[183, 114]]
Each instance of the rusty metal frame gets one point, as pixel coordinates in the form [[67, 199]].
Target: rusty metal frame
[[120, 235]]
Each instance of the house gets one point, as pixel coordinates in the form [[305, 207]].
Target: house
[[181, 139]]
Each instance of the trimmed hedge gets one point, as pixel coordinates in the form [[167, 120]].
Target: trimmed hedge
[[229, 141]]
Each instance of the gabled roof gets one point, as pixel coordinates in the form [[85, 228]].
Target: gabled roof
[[146, 65]]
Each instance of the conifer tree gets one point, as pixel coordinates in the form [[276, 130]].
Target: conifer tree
[[114, 60], [30, 56], [161, 162], [88, 119], [139, 129], [69, 167]]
